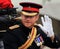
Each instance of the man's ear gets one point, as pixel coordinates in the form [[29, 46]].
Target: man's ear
[[37, 17]]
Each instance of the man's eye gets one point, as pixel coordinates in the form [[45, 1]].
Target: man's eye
[[29, 16]]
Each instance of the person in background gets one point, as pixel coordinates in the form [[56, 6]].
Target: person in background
[[7, 11], [6, 4], [28, 34]]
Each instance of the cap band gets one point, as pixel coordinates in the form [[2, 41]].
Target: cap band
[[31, 9], [29, 14]]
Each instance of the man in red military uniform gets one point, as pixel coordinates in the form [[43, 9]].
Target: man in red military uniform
[[27, 34]]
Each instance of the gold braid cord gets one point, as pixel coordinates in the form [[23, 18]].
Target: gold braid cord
[[30, 40]]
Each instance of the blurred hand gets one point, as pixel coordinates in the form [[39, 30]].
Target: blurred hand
[[47, 26]]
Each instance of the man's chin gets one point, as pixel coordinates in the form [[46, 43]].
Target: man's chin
[[28, 26]]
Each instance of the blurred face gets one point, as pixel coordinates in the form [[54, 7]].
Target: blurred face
[[29, 21]]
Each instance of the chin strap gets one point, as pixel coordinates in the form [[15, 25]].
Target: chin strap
[[30, 40]]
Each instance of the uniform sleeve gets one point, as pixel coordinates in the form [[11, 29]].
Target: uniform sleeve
[[9, 40], [52, 44], [47, 40]]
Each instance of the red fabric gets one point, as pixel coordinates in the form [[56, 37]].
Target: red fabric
[[30, 9], [5, 4]]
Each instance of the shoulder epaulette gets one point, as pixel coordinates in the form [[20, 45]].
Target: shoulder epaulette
[[13, 27]]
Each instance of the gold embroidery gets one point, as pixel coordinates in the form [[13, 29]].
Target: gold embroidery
[[30, 40], [13, 27]]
